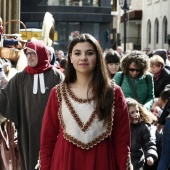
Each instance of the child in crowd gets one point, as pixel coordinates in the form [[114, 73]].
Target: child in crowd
[[143, 138]]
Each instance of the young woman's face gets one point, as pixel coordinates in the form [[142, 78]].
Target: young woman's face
[[155, 69], [134, 70], [83, 58], [134, 114], [113, 67]]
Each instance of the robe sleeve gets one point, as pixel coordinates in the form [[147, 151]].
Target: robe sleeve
[[49, 131], [121, 131], [9, 100]]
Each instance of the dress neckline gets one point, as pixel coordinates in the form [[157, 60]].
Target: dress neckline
[[75, 98]]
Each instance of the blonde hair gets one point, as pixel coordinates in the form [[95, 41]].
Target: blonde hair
[[145, 115], [157, 61]]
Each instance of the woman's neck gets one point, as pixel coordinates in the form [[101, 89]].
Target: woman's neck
[[81, 85]]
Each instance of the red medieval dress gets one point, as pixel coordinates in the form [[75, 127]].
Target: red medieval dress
[[73, 138]]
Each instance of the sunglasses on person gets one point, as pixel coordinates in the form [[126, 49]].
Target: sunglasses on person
[[133, 69]]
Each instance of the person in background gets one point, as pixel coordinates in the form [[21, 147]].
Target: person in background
[[112, 59], [60, 56], [52, 59], [143, 140], [120, 51], [163, 53], [134, 79], [24, 98], [85, 124], [164, 124], [63, 64], [168, 52], [161, 75], [3, 78], [51, 55]]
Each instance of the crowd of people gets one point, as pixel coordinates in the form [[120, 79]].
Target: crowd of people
[[90, 110], [145, 82]]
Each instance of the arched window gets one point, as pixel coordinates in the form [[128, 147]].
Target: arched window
[[149, 32], [165, 29], [156, 31]]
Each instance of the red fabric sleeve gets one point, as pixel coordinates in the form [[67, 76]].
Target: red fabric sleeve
[[121, 130], [49, 131]]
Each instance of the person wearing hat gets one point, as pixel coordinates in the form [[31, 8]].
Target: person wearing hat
[[24, 98]]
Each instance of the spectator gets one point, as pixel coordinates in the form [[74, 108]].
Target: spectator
[[112, 60], [161, 75], [164, 123], [51, 55], [169, 55], [63, 64], [120, 51], [60, 55], [143, 138], [163, 53], [134, 79]]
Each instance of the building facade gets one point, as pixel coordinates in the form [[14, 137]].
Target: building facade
[[71, 18], [148, 23], [133, 25], [155, 24]]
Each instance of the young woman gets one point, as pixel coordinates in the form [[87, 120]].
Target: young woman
[[143, 135], [112, 59], [86, 124], [134, 79]]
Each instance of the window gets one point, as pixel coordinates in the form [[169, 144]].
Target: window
[[91, 28], [60, 27], [73, 29], [69, 2], [68, 30], [165, 29], [156, 31], [149, 32]]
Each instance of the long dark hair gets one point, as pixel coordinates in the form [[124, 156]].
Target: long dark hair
[[100, 83]]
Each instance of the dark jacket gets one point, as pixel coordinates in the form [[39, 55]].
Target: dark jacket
[[143, 144], [161, 82], [165, 113]]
